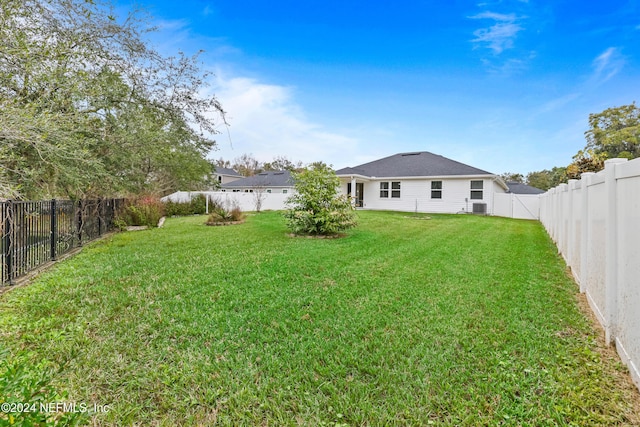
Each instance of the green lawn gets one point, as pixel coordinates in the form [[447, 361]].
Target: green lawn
[[456, 320]]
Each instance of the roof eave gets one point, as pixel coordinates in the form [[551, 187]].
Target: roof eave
[[467, 176], [354, 175], [501, 182]]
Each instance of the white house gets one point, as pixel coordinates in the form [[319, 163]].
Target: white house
[[267, 182], [422, 182], [226, 175]]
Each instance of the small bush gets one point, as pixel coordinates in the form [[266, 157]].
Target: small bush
[[316, 208], [221, 213], [177, 208], [197, 206], [145, 210]]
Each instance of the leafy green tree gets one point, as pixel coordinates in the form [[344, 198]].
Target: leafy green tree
[[316, 207], [512, 177], [88, 108], [546, 179], [586, 161], [615, 132]]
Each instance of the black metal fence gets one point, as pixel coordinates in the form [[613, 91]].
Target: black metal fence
[[36, 232]]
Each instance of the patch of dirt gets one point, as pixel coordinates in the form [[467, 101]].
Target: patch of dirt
[[318, 236], [215, 224]]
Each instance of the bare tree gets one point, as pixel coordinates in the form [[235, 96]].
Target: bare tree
[[259, 194], [247, 165]]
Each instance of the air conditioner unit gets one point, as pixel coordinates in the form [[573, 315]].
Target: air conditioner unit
[[480, 208]]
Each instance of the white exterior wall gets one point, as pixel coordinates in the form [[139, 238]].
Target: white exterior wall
[[415, 195], [595, 223], [246, 201]]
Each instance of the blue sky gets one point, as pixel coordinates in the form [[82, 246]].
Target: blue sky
[[501, 85]]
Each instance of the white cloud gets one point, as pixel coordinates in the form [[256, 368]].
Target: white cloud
[[208, 10], [171, 25], [266, 120], [511, 17], [558, 103], [500, 36], [607, 64]]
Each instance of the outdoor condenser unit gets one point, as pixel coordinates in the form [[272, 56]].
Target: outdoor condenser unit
[[480, 208]]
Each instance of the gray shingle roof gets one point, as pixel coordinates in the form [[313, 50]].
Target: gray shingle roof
[[226, 171], [263, 179], [519, 188], [421, 163]]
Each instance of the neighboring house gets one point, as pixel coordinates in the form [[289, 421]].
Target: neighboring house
[[268, 182], [519, 188], [226, 175], [422, 182]]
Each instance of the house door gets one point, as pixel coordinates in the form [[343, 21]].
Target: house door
[[359, 196]]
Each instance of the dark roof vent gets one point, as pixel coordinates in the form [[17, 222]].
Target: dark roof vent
[[410, 154]]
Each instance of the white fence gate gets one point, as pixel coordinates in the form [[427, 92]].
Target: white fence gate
[[595, 223], [521, 206]]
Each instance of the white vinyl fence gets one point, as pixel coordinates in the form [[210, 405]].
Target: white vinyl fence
[[246, 201], [521, 206], [595, 222]]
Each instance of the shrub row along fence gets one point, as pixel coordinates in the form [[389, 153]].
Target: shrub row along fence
[[37, 232], [595, 222]]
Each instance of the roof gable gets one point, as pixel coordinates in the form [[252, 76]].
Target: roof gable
[[226, 171], [422, 163], [519, 188]]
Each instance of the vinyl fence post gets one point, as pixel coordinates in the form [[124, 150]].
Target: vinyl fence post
[[54, 229], [611, 248], [571, 232], [585, 237], [8, 241]]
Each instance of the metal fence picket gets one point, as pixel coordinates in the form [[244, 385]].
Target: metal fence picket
[[33, 233]]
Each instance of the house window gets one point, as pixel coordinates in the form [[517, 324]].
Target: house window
[[284, 191], [476, 190], [436, 189], [395, 189], [384, 189], [268, 190]]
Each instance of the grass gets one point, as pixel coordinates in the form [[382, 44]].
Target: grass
[[456, 320]]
